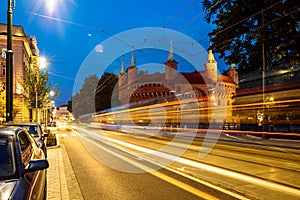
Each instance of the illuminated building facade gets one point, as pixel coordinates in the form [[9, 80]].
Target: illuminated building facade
[[206, 86], [25, 55], [270, 102]]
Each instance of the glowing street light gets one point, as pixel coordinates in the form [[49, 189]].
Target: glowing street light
[[43, 63], [51, 93]]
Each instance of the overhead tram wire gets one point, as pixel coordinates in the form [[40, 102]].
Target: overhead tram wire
[[179, 14], [173, 19], [188, 23], [236, 22], [259, 12], [164, 26], [61, 76], [272, 21], [192, 20], [80, 25], [100, 87], [104, 31], [109, 79], [199, 15]]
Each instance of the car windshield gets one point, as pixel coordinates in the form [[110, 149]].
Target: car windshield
[[33, 130], [7, 162]]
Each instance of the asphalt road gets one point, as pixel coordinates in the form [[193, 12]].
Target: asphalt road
[[98, 180]]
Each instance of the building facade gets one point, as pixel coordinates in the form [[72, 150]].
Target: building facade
[[269, 100], [62, 114], [208, 87], [25, 56]]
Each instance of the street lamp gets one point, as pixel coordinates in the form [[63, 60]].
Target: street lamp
[[269, 101], [42, 64], [9, 64], [51, 93]]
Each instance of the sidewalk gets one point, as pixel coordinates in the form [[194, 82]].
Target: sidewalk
[[61, 180]]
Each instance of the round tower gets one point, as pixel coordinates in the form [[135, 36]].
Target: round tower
[[211, 67], [232, 72]]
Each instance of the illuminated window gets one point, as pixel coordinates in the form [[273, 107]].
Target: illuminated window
[[19, 89], [3, 53]]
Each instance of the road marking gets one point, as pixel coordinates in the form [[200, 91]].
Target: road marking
[[183, 186], [157, 174], [213, 169]]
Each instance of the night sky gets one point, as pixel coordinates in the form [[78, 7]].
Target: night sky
[[68, 30]]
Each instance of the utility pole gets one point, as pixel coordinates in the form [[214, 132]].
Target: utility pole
[[9, 65]]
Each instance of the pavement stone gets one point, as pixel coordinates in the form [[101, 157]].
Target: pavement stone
[[61, 180]]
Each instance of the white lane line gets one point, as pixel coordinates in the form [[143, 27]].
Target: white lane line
[[210, 185], [213, 169], [157, 174]]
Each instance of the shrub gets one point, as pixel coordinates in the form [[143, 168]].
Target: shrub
[[51, 140]]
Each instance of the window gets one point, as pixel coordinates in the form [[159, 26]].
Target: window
[[33, 130], [3, 70], [7, 161], [3, 53]]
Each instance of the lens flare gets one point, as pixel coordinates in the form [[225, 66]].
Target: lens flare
[[51, 6]]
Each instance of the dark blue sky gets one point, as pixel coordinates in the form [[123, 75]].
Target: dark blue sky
[[68, 32]]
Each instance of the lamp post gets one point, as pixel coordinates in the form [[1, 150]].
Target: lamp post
[[269, 103], [37, 114], [51, 93], [9, 65], [42, 64]]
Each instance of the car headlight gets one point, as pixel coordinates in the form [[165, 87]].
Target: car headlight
[[6, 189]]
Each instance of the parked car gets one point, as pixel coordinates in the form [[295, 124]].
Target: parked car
[[36, 131], [22, 165]]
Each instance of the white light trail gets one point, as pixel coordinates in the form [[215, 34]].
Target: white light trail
[[224, 172]]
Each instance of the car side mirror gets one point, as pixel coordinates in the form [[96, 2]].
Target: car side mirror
[[36, 165]]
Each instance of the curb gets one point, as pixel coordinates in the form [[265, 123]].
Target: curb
[[61, 182]]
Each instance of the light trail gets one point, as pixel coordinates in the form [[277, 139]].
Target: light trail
[[206, 167], [157, 174]]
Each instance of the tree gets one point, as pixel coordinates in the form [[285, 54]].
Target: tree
[[106, 97], [246, 28], [69, 106], [83, 102], [37, 89]]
